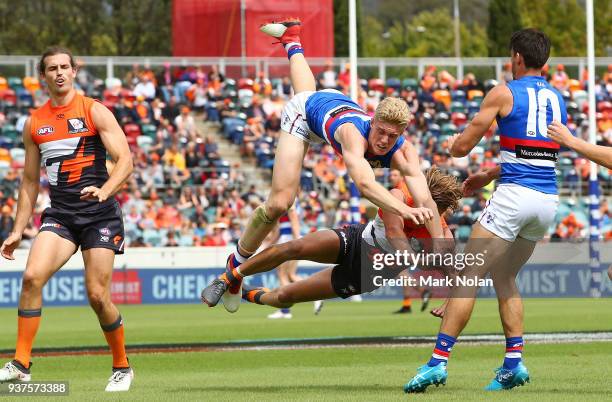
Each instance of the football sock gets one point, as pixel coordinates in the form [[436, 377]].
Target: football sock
[[254, 295], [407, 302], [286, 310], [28, 322], [293, 48], [441, 352], [514, 352], [116, 341]]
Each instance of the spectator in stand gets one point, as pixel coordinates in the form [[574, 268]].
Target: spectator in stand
[[215, 78], [546, 72], [428, 80], [167, 217], [211, 149], [285, 87], [185, 124], [171, 111], [170, 240], [192, 158], [344, 78], [145, 88], [217, 237], [187, 201], [133, 217], [471, 83], [10, 183], [262, 85], [169, 196], [507, 73], [6, 222], [328, 79], [560, 79], [251, 192], [462, 219], [202, 197], [139, 242], [570, 227], [173, 158], [446, 80], [141, 111], [235, 231], [153, 175]]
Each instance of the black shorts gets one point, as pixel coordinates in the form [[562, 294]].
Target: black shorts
[[100, 228], [354, 273]]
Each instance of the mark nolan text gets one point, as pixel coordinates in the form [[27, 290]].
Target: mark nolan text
[[432, 282]]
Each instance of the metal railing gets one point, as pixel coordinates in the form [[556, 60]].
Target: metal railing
[[252, 66]]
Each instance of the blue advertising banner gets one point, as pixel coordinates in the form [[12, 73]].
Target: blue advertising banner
[[183, 285]]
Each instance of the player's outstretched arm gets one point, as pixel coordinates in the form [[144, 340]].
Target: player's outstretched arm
[[480, 179], [116, 144], [496, 101], [28, 192], [394, 226], [353, 149], [407, 161], [597, 153]]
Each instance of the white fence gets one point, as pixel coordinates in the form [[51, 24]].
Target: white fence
[[254, 65]]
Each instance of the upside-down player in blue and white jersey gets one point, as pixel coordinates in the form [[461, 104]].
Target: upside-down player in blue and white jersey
[[519, 212], [363, 142]]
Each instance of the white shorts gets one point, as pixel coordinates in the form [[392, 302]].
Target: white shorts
[[515, 210], [293, 119]]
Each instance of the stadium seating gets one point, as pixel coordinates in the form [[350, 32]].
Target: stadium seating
[[440, 113]]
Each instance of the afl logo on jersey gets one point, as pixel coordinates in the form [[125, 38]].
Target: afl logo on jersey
[[45, 130], [77, 125]]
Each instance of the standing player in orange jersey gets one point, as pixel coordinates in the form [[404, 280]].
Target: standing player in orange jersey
[[70, 135]]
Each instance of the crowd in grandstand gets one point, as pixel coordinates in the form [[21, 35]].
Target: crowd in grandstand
[[183, 193]]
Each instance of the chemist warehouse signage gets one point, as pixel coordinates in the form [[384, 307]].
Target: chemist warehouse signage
[[183, 285]]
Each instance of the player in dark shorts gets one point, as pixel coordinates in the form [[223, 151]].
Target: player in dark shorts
[[351, 249], [70, 135]]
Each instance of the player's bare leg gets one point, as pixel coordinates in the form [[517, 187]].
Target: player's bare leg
[[98, 274], [461, 303], [283, 272], [290, 153], [316, 287], [513, 372], [289, 157], [462, 300], [40, 267], [504, 281], [288, 161], [321, 246], [406, 299]]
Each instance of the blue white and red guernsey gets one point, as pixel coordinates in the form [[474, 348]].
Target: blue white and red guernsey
[[327, 110], [527, 156], [284, 225]]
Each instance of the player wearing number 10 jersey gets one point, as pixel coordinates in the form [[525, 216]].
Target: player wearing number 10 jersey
[[519, 212], [70, 136]]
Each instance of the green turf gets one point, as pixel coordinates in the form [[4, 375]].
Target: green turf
[[72, 326], [558, 371]]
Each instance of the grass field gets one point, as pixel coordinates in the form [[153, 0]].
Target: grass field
[[559, 371]]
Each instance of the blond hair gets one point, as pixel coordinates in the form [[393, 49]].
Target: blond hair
[[394, 111], [445, 190]]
